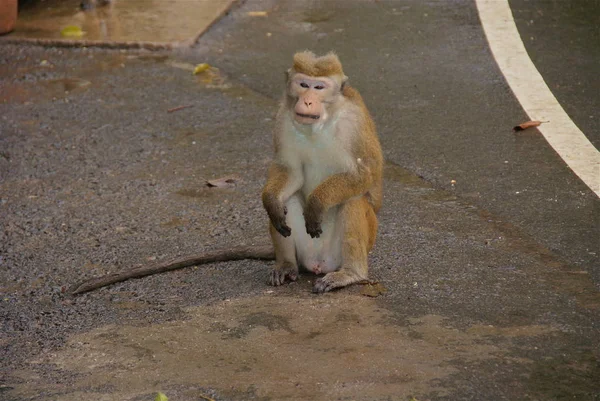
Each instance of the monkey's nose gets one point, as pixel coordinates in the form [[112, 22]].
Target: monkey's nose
[[307, 103]]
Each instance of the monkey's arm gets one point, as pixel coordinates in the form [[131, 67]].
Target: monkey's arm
[[335, 190], [282, 182]]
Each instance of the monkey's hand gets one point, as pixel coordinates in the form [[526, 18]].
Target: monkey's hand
[[277, 211], [281, 227], [313, 216]]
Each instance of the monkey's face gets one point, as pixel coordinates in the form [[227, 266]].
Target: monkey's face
[[311, 95]]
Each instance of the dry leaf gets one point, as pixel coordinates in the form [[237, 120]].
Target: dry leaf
[[257, 13], [528, 124], [224, 182], [373, 290]]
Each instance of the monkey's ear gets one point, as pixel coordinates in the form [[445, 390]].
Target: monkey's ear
[[344, 81], [288, 74]]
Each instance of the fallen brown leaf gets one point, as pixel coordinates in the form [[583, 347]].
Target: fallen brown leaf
[[223, 182], [373, 290], [528, 124]]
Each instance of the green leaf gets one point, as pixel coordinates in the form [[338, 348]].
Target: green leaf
[[72, 31], [201, 68], [161, 397]]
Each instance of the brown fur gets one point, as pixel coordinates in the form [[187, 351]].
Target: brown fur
[[308, 63]]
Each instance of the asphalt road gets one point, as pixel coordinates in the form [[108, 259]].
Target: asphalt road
[[444, 109], [561, 38], [488, 243]]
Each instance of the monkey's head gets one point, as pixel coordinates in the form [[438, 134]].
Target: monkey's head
[[313, 85]]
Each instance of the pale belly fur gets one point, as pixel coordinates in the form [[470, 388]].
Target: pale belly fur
[[320, 153], [318, 255]]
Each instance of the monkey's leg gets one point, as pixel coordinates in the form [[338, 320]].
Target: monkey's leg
[[286, 261], [359, 230]]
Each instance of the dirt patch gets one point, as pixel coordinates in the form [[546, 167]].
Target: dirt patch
[[279, 348]]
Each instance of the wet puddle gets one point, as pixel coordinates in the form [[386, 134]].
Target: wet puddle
[[67, 84], [120, 21], [51, 89], [280, 348]]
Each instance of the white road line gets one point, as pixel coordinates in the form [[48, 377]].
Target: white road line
[[534, 95]]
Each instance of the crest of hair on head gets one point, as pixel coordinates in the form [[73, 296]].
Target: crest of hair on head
[[308, 63]]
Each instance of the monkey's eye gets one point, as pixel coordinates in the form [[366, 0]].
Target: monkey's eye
[[304, 84], [319, 87]]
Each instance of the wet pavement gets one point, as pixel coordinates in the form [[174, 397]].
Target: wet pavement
[[491, 295], [175, 21]]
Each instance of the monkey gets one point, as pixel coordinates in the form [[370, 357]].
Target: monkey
[[324, 185], [323, 188]]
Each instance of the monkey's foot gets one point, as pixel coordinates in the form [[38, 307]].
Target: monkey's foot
[[334, 280], [280, 273]]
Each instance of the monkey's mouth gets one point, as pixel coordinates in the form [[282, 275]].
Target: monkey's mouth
[[314, 117]]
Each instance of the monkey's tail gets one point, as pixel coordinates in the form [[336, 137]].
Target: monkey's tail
[[260, 252]]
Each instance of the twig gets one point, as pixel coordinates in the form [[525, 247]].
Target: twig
[[224, 255], [179, 108]]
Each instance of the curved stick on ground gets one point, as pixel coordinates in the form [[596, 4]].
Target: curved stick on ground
[[224, 255]]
